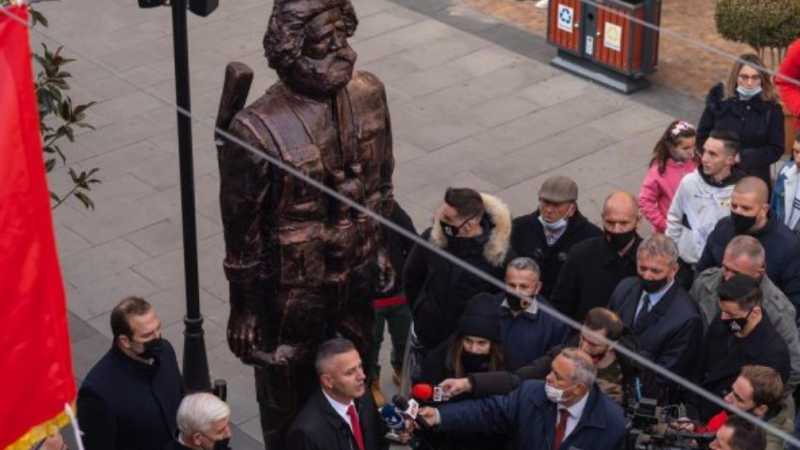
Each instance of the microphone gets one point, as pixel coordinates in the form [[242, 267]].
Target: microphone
[[422, 392], [425, 393], [409, 409], [392, 417]]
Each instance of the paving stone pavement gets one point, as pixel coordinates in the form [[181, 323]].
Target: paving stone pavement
[[473, 100]]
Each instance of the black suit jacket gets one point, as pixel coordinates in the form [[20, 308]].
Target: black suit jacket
[[319, 427], [528, 239], [175, 445], [723, 355], [124, 404], [670, 331], [590, 274]]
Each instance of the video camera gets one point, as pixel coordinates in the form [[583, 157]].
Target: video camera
[[648, 428]]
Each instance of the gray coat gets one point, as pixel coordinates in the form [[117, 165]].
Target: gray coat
[[777, 306]]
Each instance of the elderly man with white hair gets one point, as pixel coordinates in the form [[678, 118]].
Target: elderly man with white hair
[[203, 424], [566, 411]]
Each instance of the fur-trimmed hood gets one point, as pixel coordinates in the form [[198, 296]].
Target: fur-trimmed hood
[[496, 247]]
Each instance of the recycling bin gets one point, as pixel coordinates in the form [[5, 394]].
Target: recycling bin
[[606, 40]]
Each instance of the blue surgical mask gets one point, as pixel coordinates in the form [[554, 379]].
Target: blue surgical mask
[[559, 224], [747, 94]]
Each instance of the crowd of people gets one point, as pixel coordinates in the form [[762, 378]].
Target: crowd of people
[[711, 296]]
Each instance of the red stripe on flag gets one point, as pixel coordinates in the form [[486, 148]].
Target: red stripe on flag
[[35, 362]]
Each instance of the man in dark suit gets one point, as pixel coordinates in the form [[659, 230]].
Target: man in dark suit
[[203, 424], [129, 399], [595, 266], [665, 320], [737, 336], [567, 411], [341, 415]]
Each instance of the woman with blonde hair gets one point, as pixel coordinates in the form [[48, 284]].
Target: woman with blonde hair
[[748, 105]]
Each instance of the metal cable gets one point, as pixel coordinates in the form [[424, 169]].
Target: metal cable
[[415, 238]]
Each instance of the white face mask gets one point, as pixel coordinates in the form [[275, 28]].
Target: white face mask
[[553, 226], [555, 394], [747, 94]]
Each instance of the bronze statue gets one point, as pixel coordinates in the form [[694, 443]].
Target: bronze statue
[[301, 265]]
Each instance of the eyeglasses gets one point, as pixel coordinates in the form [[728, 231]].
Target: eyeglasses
[[750, 77]]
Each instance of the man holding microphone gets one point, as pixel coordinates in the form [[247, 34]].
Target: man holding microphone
[[566, 411]]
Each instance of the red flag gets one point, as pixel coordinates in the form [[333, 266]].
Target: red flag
[[36, 378]]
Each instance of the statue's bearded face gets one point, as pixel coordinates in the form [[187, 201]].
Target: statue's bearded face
[[327, 61]]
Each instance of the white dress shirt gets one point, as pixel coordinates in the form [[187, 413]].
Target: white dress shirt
[[575, 413], [340, 408]]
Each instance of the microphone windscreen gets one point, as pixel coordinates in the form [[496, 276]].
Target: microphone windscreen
[[392, 418], [422, 392], [400, 402]]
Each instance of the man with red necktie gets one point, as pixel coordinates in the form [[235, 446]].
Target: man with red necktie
[[341, 415], [566, 411]]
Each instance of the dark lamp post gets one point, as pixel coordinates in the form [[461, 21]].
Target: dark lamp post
[[195, 361]]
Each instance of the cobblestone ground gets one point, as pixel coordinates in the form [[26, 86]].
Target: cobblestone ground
[[474, 103]]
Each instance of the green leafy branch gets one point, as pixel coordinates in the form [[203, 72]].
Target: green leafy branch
[[768, 26], [58, 116]]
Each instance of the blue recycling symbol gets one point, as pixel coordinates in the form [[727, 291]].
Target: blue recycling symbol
[[565, 16]]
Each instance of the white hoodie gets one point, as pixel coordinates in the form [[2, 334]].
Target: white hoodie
[[703, 205]]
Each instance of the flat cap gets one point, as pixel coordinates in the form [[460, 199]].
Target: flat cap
[[558, 189]]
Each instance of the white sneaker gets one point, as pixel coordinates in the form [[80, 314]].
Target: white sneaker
[[542, 4]]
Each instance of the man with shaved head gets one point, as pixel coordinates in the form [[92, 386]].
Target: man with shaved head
[[744, 255], [595, 266], [751, 216]]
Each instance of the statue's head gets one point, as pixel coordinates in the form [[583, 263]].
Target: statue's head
[[306, 43]]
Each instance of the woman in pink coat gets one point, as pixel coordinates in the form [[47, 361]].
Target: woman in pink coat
[[673, 157]]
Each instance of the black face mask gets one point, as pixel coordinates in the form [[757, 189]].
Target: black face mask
[[515, 302], [475, 363], [652, 286], [152, 348], [737, 325], [222, 444], [451, 231], [742, 224], [618, 241]]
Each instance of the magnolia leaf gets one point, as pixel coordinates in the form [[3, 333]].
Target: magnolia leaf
[[87, 202]]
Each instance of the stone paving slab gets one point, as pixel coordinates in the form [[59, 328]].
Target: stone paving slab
[[474, 102]]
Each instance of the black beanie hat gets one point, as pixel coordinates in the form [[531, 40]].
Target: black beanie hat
[[481, 318]]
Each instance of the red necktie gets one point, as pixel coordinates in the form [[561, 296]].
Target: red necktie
[[561, 429], [351, 411]]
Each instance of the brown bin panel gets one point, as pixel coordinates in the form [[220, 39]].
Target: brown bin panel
[[557, 24], [614, 54], [638, 41]]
